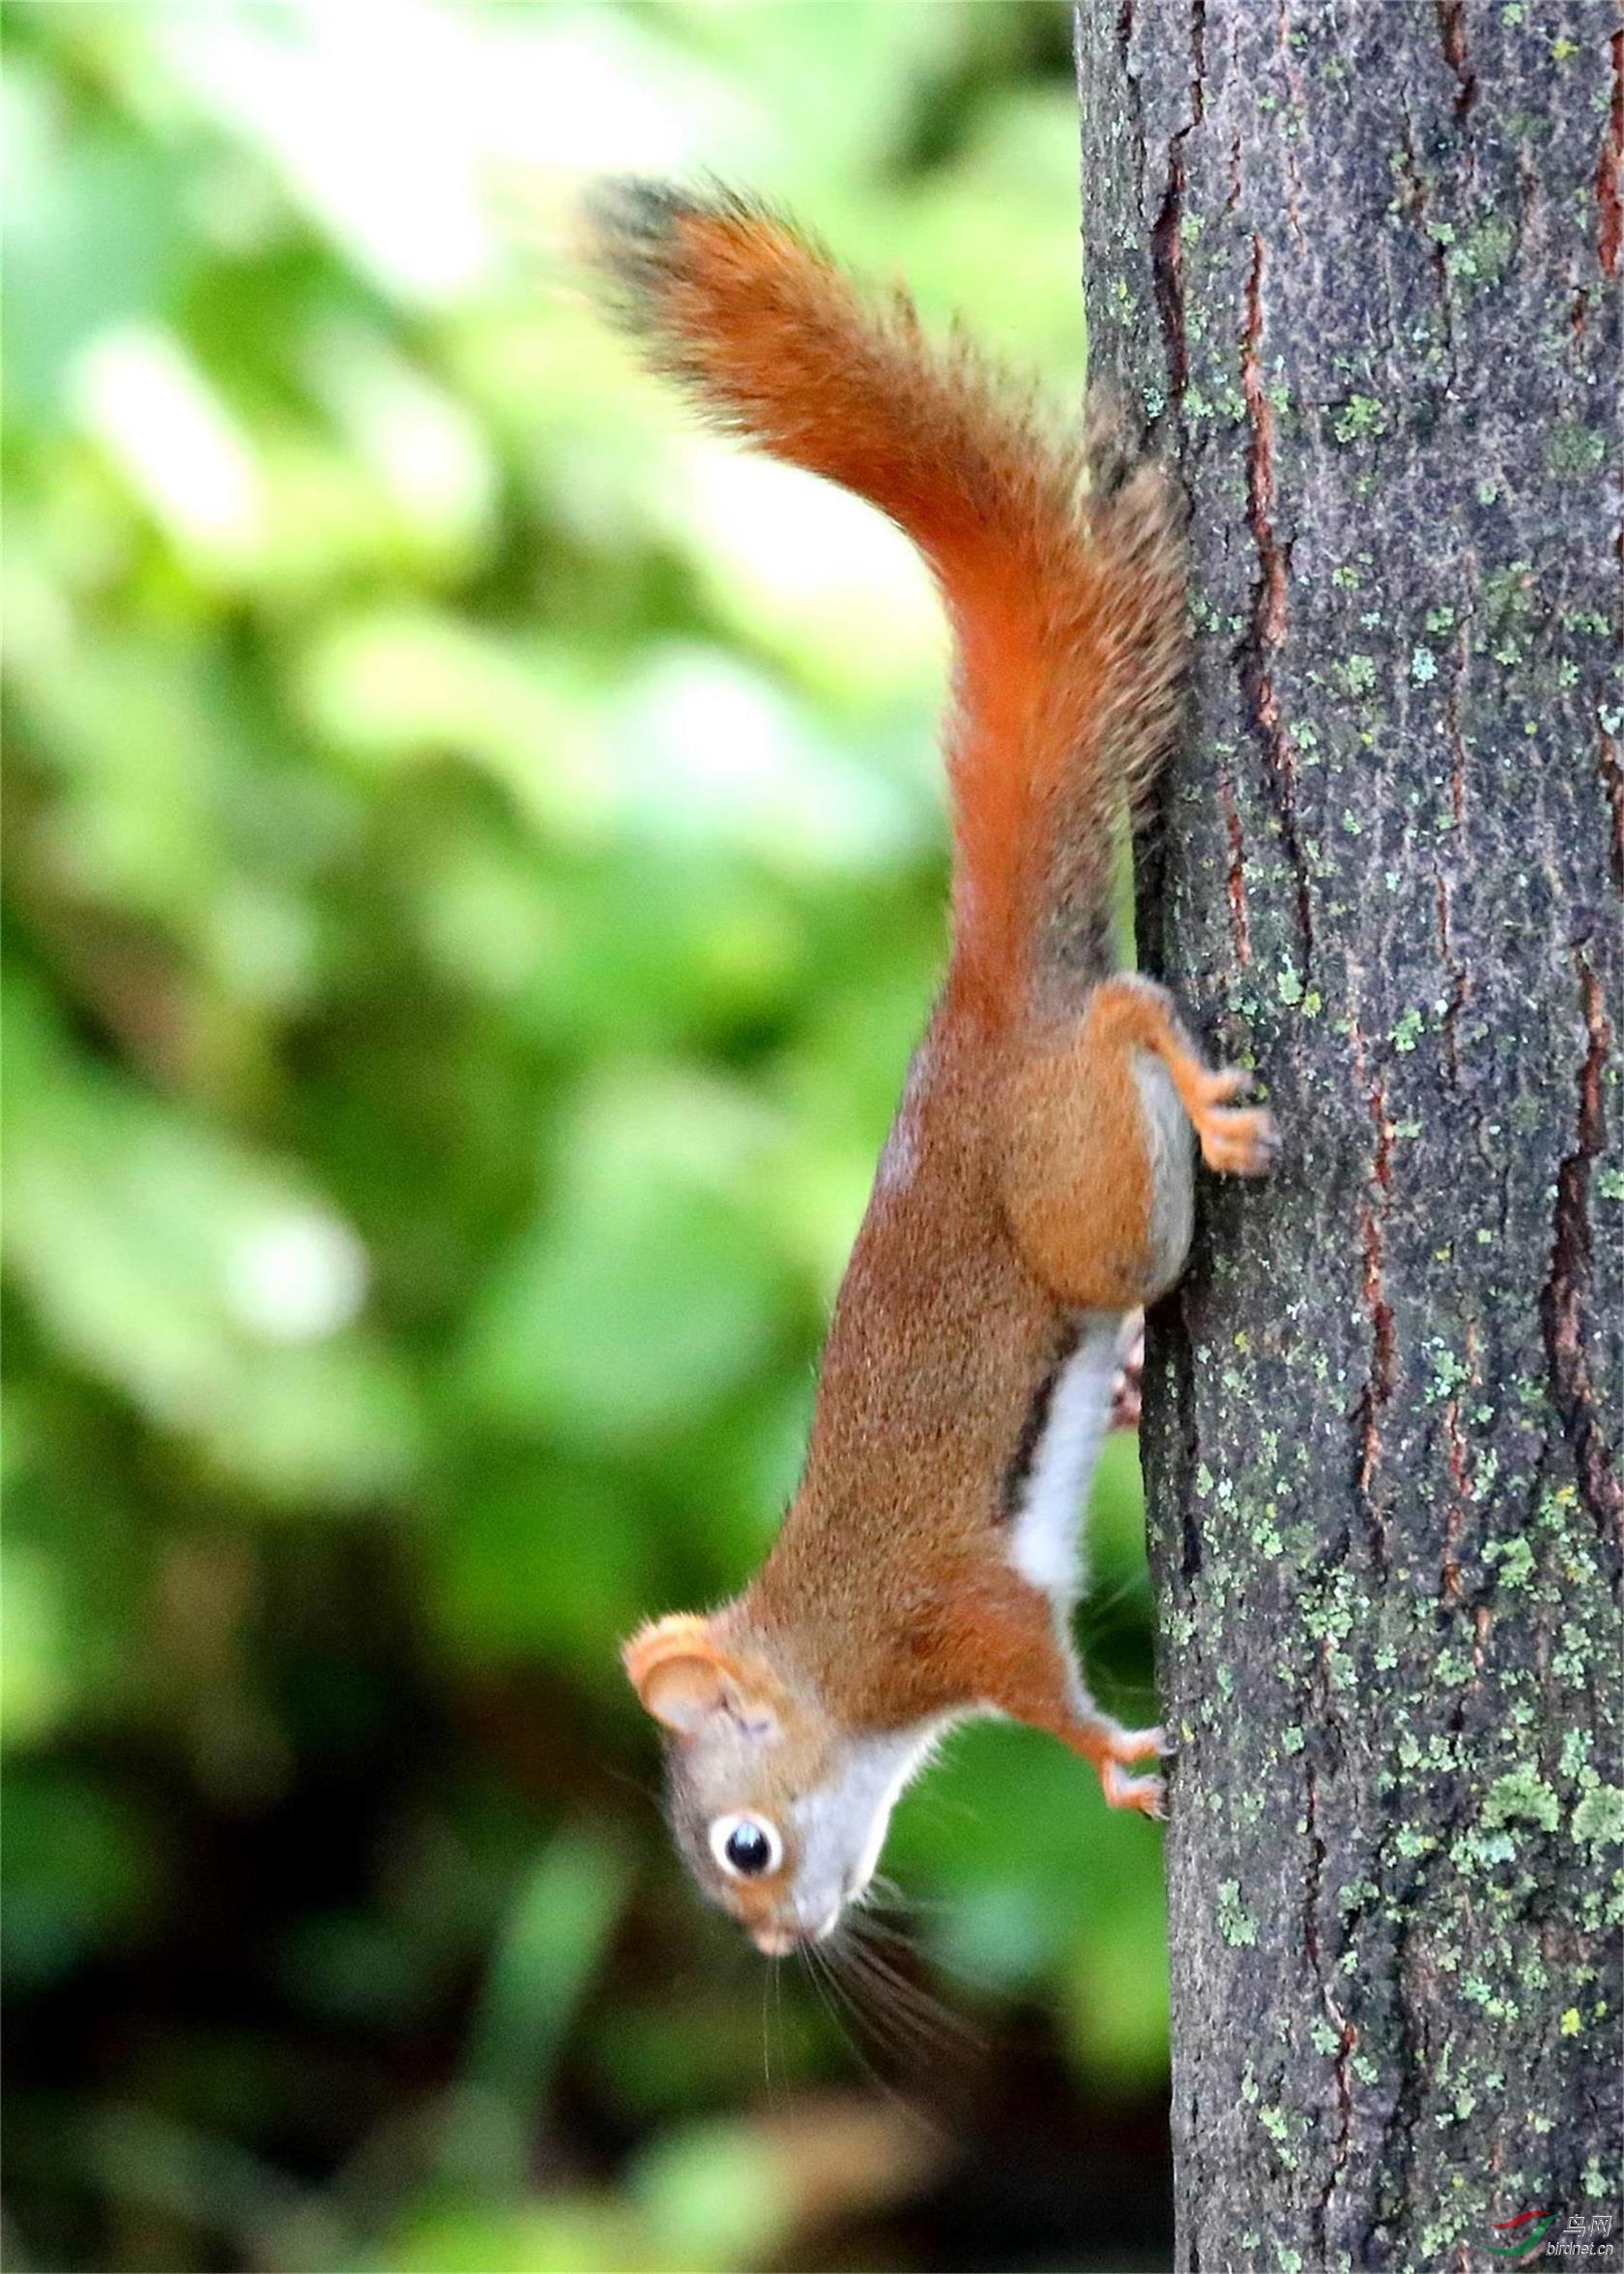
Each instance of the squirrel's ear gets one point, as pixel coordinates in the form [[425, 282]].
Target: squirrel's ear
[[683, 1675]]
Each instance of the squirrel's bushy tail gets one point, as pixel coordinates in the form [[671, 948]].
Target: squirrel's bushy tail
[[1061, 565]]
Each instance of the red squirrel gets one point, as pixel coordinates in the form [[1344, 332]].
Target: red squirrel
[[1036, 1186]]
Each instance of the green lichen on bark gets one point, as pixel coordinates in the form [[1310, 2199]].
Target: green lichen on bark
[[1355, 264]]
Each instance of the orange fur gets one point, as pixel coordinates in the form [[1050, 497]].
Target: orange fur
[[1039, 1164], [1067, 600]]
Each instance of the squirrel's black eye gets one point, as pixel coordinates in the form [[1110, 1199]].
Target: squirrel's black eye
[[749, 1850], [745, 1846]]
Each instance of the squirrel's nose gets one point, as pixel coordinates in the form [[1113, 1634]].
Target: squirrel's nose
[[777, 1942]]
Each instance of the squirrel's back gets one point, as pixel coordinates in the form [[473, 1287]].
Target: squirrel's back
[[1060, 563]]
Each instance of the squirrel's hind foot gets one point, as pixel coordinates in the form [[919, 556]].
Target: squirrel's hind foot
[[1237, 1140]]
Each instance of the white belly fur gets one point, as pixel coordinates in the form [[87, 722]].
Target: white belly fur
[[1046, 1545]]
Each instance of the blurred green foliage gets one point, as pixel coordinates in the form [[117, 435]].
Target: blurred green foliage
[[475, 873]]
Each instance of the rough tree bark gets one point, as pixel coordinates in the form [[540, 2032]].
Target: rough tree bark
[[1359, 260]]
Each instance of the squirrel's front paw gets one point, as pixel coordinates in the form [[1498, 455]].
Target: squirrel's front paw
[[1147, 1794], [1109, 1746], [1237, 1140]]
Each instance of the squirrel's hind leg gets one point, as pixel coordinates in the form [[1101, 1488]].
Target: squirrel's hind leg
[[1238, 1141], [1097, 1162]]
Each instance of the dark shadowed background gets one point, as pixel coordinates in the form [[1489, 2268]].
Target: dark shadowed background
[[474, 872]]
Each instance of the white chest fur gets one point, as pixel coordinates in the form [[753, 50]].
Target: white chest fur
[[841, 1826], [1046, 1545]]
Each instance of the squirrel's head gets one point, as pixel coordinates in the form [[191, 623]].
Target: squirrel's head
[[780, 1813]]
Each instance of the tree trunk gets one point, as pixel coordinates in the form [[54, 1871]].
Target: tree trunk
[[1359, 264]]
